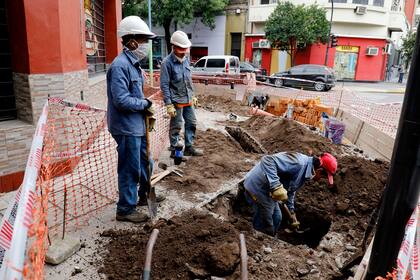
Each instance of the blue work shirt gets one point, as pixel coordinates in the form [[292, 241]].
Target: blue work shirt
[[126, 102], [176, 80], [291, 169]]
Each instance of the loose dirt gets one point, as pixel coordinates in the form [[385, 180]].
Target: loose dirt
[[197, 246], [223, 160], [220, 99], [277, 134]]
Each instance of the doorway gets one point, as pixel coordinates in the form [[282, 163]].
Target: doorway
[[345, 62], [236, 39]]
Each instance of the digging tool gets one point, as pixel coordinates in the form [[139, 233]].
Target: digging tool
[[151, 194], [289, 217], [149, 251], [244, 257]]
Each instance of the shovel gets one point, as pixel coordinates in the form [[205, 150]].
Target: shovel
[[288, 215], [150, 189]]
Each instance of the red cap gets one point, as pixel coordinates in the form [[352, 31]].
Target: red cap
[[329, 163]]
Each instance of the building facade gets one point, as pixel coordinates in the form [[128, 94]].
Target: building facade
[[368, 33], [49, 48]]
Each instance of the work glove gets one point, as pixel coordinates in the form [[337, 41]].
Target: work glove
[[149, 104], [170, 109], [150, 111], [294, 223], [279, 193], [195, 102]]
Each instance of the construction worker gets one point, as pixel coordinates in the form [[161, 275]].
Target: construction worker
[[127, 108], [176, 85], [276, 178]]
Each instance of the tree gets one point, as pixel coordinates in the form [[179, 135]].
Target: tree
[[292, 27], [166, 12], [407, 47]]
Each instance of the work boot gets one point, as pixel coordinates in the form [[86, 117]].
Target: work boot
[[173, 156], [143, 200], [134, 217], [191, 151]]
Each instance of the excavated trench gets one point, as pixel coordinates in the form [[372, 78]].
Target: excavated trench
[[314, 225]]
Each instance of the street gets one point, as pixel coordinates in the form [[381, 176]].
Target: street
[[380, 93]]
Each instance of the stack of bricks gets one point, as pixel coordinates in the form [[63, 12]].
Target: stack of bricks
[[308, 111]]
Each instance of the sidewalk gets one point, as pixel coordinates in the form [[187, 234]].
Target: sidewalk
[[381, 87]]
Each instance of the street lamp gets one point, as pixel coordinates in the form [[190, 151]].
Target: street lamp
[[329, 33]]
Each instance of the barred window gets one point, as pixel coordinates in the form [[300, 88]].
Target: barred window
[[95, 36], [363, 2], [338, 1], [379, 3], [7, 97]]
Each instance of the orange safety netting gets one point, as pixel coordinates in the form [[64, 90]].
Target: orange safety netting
[[78, 173]]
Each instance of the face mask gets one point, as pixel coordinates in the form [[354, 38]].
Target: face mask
[[141, 51], [180, 59]]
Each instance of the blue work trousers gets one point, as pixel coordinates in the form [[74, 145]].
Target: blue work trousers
[[132, 170], [187, 115], [267, 216]]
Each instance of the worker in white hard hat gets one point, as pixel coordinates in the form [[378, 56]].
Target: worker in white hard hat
[[177, 88], [127, 109]]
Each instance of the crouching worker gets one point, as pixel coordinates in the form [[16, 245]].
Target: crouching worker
[[276, 178]]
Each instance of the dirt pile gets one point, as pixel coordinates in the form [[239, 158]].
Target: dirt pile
[[278, 135], [225, 103], [223, 159], [195, 245]]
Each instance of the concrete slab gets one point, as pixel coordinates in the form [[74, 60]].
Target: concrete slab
[[62, 249]]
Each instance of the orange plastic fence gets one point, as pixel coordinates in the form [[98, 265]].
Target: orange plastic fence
[[78, 173]]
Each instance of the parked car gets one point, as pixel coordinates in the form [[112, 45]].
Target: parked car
[[320, 77], [225, 64], [260, 73]]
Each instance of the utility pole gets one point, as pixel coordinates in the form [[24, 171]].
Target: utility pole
[[150, 44], [329, 33], [403, 186]]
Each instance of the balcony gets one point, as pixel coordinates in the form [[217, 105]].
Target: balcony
[[260, 12], [397, 22]]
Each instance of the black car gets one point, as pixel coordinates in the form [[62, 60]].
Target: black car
[[260, 74], [319, 77], [144, 63]]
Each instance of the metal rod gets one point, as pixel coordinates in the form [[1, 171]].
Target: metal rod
[[150, 44], [149, 251], [64, 212], [329, 33], [244, 257], [402, 189]]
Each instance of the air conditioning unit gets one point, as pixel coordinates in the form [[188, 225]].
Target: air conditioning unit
[[360, 10], [372, 51], [264, 44], [388, 48]]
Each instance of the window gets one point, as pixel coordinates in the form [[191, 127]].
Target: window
[[95, 36], [200, 63], [265, 2], [297, 70], [236, 44], [379, 3], [233, 62], [363, 2], [7, 97], [216, 63]]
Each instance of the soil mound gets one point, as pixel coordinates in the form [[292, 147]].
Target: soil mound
[[220, 103], [191, 246], [223, 159], [278, 135]]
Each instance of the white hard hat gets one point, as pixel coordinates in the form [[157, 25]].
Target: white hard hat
[[133, 25], [180, 39]]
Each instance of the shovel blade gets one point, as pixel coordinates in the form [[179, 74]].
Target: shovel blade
[[151, 203]]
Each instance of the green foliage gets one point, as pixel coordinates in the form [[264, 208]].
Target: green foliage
[[407, 48], [164, 12], [291, 27]]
